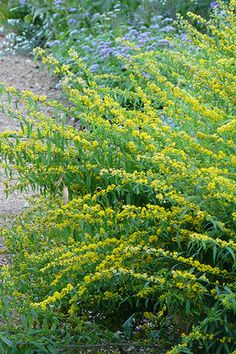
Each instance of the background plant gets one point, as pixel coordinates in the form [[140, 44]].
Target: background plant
[[35, 23]]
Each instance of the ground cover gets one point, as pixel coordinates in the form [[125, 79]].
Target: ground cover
[[133, 236]]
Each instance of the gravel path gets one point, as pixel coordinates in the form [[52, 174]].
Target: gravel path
[[24, 74]]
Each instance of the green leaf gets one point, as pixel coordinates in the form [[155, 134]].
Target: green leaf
[[127, 326], [7, 341], [28, 19], [214, 250], [187, 307]]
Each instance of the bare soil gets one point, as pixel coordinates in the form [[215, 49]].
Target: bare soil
[[24, 74]]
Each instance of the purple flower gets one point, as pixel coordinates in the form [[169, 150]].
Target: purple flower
[[214, 4], [133, 32], [94, 68], [22, 2], [74, 32], [184, 37], [167, 20], [155, 26], [146, 74], [142, 41], [106, 52], [57, 2], [129, 37], [51, 44], [157, 18], [167, 29], [164, 42], [151, 47], [71, 21], [86, 48], [72, 9], [145, 34], [96, 16]]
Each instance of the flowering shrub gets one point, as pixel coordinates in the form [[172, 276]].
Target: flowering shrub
[[47, 23], [109, 40], [34, 23], [134, 225]]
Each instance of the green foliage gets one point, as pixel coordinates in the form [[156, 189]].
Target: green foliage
[[172, 7], [132, 234], [35, 23], [4, 11]]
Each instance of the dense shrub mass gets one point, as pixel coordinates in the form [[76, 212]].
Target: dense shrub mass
[[63, 23], [132, 237]]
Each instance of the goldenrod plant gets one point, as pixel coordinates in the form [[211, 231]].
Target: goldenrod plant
[[133, 230]]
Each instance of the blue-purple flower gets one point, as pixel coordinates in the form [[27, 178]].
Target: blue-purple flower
[[57, 2], [94, 68], [71, 21], [214, 4], [72, 10], [52, 44]]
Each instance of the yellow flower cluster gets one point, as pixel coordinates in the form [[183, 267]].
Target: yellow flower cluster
[[55, 297]]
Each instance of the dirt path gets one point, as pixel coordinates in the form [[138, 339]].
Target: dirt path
[[24, 74]]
